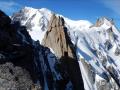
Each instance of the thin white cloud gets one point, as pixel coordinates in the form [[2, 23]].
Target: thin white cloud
[[113, 5], [8, 6]]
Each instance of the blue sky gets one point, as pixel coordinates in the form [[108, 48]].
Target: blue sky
[[74, 9]]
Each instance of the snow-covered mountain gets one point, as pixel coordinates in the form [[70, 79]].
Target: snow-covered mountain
[[36, 21], [63, 47]]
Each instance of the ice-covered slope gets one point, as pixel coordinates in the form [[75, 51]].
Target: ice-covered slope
[[97, 46], [77, 25]]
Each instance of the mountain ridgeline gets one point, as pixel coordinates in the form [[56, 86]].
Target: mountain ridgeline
[[41, 50]]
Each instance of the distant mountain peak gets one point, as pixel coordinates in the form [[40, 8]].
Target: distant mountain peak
[[45, 10], [26, 7], [104, 20], [34, 9]]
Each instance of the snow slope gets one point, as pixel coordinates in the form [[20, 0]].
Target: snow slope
[[99, 47]]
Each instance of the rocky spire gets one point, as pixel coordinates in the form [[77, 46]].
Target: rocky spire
[[58, 39]]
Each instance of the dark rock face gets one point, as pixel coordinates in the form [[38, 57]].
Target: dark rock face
[[57, 38], [14, 77], [4, 20], [16, 48]]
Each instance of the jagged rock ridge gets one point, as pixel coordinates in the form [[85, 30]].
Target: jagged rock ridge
[[58, 40]]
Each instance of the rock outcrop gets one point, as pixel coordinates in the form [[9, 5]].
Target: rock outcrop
[[103, 20], [59, 41], [13, 78], [17, 69], [57, 38]]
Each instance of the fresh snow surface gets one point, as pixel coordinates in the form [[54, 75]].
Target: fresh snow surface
[[97, 46]]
